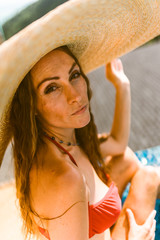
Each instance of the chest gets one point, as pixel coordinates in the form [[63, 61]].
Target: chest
[[103, 203], [95, 186]]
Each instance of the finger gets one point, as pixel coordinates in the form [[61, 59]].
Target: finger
[[130, 216], [114, 64], [108, 65], [108, 69], [153, 238], [150, 218], [150, 230], [153, 228], [120, 65]]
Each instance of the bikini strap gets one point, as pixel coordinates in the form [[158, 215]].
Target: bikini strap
[[70, 156], [59, 146]]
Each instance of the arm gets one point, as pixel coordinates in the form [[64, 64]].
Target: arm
[[62, 197], [119, 135]]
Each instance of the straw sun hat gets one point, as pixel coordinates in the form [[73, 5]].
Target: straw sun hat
[[96, 31]]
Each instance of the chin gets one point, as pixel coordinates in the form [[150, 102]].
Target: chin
[[83, 123]]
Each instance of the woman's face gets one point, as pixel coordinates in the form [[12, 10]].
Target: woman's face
[[61, 91]]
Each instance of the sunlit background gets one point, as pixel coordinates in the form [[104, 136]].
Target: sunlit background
[[9, 8], [17, 14]]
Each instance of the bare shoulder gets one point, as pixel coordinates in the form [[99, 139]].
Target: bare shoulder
[[61, 184], [58, 192]]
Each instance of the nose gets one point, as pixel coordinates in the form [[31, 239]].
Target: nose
[[73, 95]]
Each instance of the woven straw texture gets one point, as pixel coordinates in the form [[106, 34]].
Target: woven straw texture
[[96, 31]]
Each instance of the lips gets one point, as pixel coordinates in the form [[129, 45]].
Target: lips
[[80, 110]]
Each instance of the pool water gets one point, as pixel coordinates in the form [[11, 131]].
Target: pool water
[[150, 156]]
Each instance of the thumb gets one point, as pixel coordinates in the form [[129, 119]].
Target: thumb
[[131, 218], [108, 66]]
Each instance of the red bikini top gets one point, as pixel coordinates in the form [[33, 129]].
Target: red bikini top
[[103, 214]]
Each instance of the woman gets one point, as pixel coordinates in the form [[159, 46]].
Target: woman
[[60, 172], [68, 180]]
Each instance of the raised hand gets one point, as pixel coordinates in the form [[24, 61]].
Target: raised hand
[[115, 73]]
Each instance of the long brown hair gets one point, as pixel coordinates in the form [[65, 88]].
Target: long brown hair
[[28, 137]]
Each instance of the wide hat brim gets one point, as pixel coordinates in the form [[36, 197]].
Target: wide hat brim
[[96, 31]]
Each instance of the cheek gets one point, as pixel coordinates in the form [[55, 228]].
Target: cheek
[[42, 105], [49, 108], [83, 88]]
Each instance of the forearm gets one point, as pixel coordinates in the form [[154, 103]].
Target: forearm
[[121, 122], [117, 140]]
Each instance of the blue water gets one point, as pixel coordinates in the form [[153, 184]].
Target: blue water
[[150, 156]]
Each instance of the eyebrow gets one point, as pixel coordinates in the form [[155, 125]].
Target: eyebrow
[[56, 77]]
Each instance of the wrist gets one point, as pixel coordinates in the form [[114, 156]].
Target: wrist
[[122, 85]]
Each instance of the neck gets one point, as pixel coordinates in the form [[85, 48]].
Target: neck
[[66, 135]]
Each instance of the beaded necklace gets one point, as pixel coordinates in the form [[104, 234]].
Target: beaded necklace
[[61, 141]]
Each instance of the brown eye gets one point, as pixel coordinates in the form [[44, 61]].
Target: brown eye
[[51, 89], [75, 75]]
